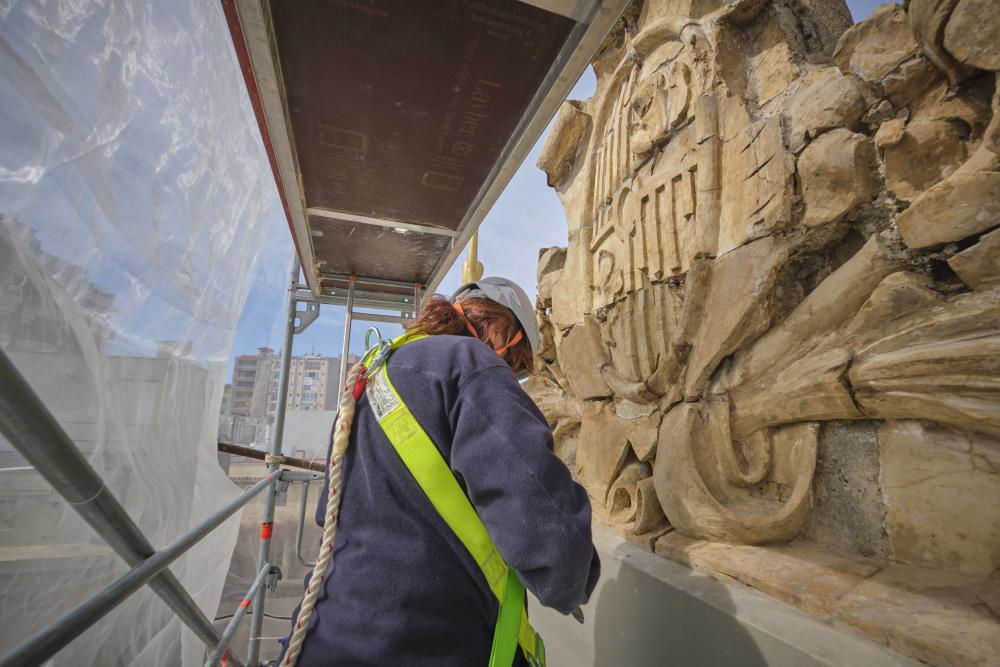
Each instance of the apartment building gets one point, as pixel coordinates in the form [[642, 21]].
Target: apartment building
[[251, 382], [311, 384]]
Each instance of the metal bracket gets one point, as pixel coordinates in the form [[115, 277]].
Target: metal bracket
[[280, 491], [272, 578], [307, 316], [286, 475]]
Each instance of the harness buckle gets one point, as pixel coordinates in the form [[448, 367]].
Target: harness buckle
[[375, 354], [368, 335], [383, 352]]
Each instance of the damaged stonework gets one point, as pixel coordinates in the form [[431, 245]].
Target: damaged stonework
[[781, 226]]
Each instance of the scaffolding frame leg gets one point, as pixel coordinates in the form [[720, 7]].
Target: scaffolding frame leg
[[222, 648], [345, 352], [277, 435]]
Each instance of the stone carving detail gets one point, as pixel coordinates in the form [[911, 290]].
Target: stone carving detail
[[770, 229]]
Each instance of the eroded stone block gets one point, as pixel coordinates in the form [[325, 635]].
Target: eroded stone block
[[756, 178], [979, 265], [849, 511], [602, 448], [876, 46], [926, 153], [942, 491], [801, 574], [561, 154], [831, 101], [890, 133], [932, 615], [736, 307], [550, 265], [928, 19], [971, 34], [571, 291], [881, 50], [836, 176], [772, 59], [581, 357], [965, 203]]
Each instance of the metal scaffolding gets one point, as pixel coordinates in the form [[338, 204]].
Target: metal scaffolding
[[32, 429]]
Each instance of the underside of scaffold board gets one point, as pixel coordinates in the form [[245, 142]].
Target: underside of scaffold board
[[392, 126]]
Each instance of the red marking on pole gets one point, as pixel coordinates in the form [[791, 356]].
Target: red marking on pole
[[265, 530], [245, 603]]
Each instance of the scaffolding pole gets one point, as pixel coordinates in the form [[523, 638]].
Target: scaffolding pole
[[301, 525], [36, 434], [267, 520], [222, 647], [347, 338], [48, 642]]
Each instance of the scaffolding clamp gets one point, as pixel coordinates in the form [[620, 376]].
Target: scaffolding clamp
[[272, 578]]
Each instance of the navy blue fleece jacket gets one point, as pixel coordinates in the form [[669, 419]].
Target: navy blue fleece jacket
[[403, 590]]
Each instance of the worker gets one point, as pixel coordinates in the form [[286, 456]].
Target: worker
[[403, 587]]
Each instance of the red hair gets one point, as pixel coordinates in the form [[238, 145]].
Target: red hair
[[494, 324]]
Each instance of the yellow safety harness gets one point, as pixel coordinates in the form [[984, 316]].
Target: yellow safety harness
[[438, 483]]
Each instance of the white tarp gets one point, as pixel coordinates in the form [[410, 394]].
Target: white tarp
[[135, 198]]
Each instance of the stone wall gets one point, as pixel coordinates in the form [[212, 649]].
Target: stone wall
[[778, 316]]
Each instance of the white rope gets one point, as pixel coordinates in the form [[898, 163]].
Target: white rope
[[341, 438]]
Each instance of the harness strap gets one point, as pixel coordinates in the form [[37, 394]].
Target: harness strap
[[468, 325], [436, 480]]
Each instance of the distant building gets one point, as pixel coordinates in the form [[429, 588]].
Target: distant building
[[312, 382], [251, 381]]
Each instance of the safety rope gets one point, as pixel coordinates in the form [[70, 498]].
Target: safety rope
[[341, 438]]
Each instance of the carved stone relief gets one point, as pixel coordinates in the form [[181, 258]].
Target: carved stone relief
[[771, 229]]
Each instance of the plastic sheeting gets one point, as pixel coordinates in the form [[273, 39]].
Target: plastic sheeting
[[135, 198]]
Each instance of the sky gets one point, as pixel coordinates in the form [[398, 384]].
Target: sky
[[526, 217]]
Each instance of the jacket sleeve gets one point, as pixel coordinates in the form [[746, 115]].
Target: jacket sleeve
[[536, 514]]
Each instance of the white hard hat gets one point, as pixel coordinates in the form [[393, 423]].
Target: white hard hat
[[506, 293]]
